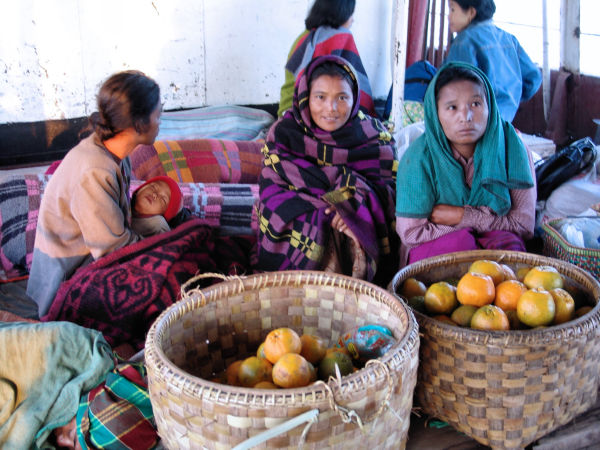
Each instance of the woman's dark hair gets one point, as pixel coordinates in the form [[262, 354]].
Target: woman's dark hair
[[334, 70], [126, 99], [485, 8], [333, 13], [451, 74]]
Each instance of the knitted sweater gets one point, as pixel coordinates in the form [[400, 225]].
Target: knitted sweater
[[84, 215]]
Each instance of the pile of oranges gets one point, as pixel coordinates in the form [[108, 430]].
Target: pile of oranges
[[287, 360], [491, 296]]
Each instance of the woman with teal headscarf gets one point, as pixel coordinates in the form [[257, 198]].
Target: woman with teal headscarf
[[468, 181]]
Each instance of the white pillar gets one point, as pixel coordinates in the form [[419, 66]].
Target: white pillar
[[569, 35], [400, 31]]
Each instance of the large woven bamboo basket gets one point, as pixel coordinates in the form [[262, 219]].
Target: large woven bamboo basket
[[506, 388], [200, 335]]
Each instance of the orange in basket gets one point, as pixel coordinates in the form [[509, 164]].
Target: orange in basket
[[475, 289]]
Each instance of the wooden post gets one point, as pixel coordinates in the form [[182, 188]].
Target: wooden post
[[569, 35], [400, 26]]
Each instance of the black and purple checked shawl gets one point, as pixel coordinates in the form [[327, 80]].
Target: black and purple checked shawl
[[307, 170]]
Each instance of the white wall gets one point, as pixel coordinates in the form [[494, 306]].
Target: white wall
[[54, 54]]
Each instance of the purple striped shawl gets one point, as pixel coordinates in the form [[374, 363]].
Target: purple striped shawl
[[307, 170]]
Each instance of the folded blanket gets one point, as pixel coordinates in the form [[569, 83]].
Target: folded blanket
[[237, 123], [44, 368], [122, 293]]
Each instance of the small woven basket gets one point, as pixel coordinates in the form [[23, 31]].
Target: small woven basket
[[506, 389], [556, 246], [202, 334]]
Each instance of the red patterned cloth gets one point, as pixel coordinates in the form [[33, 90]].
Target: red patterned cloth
[[122, 293]]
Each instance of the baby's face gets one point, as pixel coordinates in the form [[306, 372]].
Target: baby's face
[[152, 199]]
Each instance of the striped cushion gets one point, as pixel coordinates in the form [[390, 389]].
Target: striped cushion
[[199, 161]]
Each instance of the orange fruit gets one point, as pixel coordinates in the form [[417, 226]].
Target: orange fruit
[[332, 359], [508, 293], [313, 348], [475, 289], [545, 277], [509, 274], [582, 311], [536, 308], [440, 298], [490, 317], [412, 287], [261, 351], [254, 370], [231, 373], [462, 315], [265, 385], [291, 370], [488, 267], [564, 305], [521, 272], [444, 318], [281, 341]]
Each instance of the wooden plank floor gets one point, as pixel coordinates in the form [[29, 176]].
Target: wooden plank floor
[[582, 433]]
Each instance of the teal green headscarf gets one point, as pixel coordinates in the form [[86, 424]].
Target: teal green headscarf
[[429, 175]]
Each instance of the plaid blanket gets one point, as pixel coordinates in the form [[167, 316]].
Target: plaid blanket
[[228, 207], [117, 413], [122, 293], [199, 161], [20, 197]]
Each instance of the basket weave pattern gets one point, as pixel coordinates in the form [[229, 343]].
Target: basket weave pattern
[[506, 388], [208, 329], [556, 246]]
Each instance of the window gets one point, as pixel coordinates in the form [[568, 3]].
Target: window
[[590, 37], [524, 20]]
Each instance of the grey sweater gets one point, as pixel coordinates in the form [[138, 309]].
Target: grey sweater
[[84, 215]]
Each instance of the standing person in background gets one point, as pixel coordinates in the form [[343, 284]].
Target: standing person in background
[[85, 212], [327, 33], [514, 77]]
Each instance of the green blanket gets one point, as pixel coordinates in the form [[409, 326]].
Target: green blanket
[[44, 368]]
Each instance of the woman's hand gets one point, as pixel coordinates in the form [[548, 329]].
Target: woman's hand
[[447, 215], [338, 223]]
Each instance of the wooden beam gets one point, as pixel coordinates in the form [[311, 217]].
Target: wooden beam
[[400, 27], [569, 35]]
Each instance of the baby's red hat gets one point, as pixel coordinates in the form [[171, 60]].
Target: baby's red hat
[[176, 202]]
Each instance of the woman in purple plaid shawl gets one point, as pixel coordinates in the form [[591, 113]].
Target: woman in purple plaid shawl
[[328, 183]]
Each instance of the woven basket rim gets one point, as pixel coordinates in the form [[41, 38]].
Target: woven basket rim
[[569, 330], [548, 227], [156, 359]]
